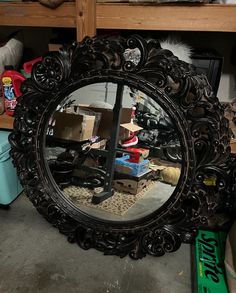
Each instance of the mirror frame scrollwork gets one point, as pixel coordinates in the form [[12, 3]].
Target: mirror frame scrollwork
[[184, 95]]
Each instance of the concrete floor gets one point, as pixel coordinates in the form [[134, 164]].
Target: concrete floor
[[34, 258]]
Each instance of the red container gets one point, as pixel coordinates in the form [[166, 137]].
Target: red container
[[137, 155], [11, 81], [27, 66]]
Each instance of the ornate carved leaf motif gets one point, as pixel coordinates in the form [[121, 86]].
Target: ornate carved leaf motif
[[187, 97], [160, 240], [120, 244], [230, 199]]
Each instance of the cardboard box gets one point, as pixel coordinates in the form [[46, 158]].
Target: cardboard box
[[127, 128], [131, 184], [233, 146], [71, 126], [54, 47], [105, 126]]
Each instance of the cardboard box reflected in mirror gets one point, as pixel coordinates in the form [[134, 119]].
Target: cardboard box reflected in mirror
[[80, 127]]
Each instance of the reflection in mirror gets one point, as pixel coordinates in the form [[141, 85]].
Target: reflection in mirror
[[113, 152]]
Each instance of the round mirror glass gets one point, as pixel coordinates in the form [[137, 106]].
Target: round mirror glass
[[113, 152]]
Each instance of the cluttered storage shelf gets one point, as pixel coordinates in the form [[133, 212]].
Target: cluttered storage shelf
[[87, 16]]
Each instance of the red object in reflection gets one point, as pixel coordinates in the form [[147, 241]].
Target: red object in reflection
[[137, 154]]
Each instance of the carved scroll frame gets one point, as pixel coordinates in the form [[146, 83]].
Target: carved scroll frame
[[184, 95]]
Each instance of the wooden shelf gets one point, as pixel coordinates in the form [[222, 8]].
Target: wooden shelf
[[35, 14], [208, 17], [6, 122]]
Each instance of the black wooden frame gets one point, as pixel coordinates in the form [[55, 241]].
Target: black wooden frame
[[184, 95]]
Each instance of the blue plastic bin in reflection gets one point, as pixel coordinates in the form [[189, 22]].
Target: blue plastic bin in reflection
[[10, 186], [122, 165]]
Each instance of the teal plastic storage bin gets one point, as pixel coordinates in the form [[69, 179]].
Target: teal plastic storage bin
[[10, 186]]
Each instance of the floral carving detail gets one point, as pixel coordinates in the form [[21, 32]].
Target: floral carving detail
[[49, 73]]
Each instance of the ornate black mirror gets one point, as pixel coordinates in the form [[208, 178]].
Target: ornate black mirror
[[121, 146]]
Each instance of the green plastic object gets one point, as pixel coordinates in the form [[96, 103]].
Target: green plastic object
[[209, 260], [27, 75]]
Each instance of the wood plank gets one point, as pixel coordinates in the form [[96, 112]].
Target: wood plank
[[233, 146], [86, 18], [208, 17], [35, 14], [6, 122]]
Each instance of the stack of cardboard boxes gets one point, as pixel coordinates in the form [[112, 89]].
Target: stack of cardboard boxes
[[132, 168], [80, 126]]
